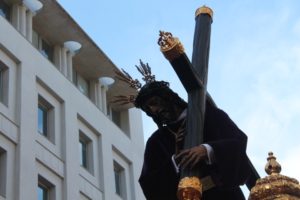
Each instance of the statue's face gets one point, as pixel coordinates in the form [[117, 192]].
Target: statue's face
[[165, 112]]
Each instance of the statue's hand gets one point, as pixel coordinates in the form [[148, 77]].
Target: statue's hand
[[189, 158]]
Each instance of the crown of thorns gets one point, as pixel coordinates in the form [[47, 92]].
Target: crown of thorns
[[148, 78]]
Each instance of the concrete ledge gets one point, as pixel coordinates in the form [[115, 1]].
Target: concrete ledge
[[49, 159], [9, 129]]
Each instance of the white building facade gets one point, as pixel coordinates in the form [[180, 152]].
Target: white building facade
[[60, 137]]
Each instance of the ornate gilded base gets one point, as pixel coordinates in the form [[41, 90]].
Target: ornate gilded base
[[275, 186], [281, 197], [189, 188]]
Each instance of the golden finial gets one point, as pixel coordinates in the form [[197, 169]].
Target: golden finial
[[272, 167], [170, 46], [275, 186], [204, 10]]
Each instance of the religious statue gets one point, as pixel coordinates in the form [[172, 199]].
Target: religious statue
[[197, 152]]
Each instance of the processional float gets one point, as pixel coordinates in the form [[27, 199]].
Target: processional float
[[275, 186]]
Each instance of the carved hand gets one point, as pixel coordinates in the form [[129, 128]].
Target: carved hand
[[189, 158]]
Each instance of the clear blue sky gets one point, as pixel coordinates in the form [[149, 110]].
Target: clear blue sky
[[254, 69]]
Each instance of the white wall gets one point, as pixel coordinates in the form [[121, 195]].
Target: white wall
[[30, 154]]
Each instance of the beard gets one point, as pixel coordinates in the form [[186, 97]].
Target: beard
[[167, 116]]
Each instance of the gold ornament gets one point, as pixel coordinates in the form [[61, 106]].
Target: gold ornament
[[189, 188], [275, 186], [170, 46], [204, 10]]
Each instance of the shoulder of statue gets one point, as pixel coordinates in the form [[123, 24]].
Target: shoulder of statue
[[154, 136]]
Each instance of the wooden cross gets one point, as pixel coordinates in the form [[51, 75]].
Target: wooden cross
[[194, 79]]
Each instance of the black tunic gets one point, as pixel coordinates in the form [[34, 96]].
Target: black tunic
[[159, 179]]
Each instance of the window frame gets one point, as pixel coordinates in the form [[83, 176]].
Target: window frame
[[3, 171], [45, 195], [86, 158], [47, 49], [77, 80], [5, 10], [44, 121], [48, 119], [120, 182], [1, 83], [83, 153], [43, 46], [4, 83], [45, 185]]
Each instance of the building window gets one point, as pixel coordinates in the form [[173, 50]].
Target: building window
[[45, 121], [85, 152], [42, 45], [42, 119], [35, 39], [3, 164], [108, 110], [116, 117], [121, 119], [42, 192], [119, 179], [45, 189], [4, 10], [81, 83], [47, 50], [3, 84]]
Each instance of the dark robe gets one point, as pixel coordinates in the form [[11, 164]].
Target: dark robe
[[159, 179]]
